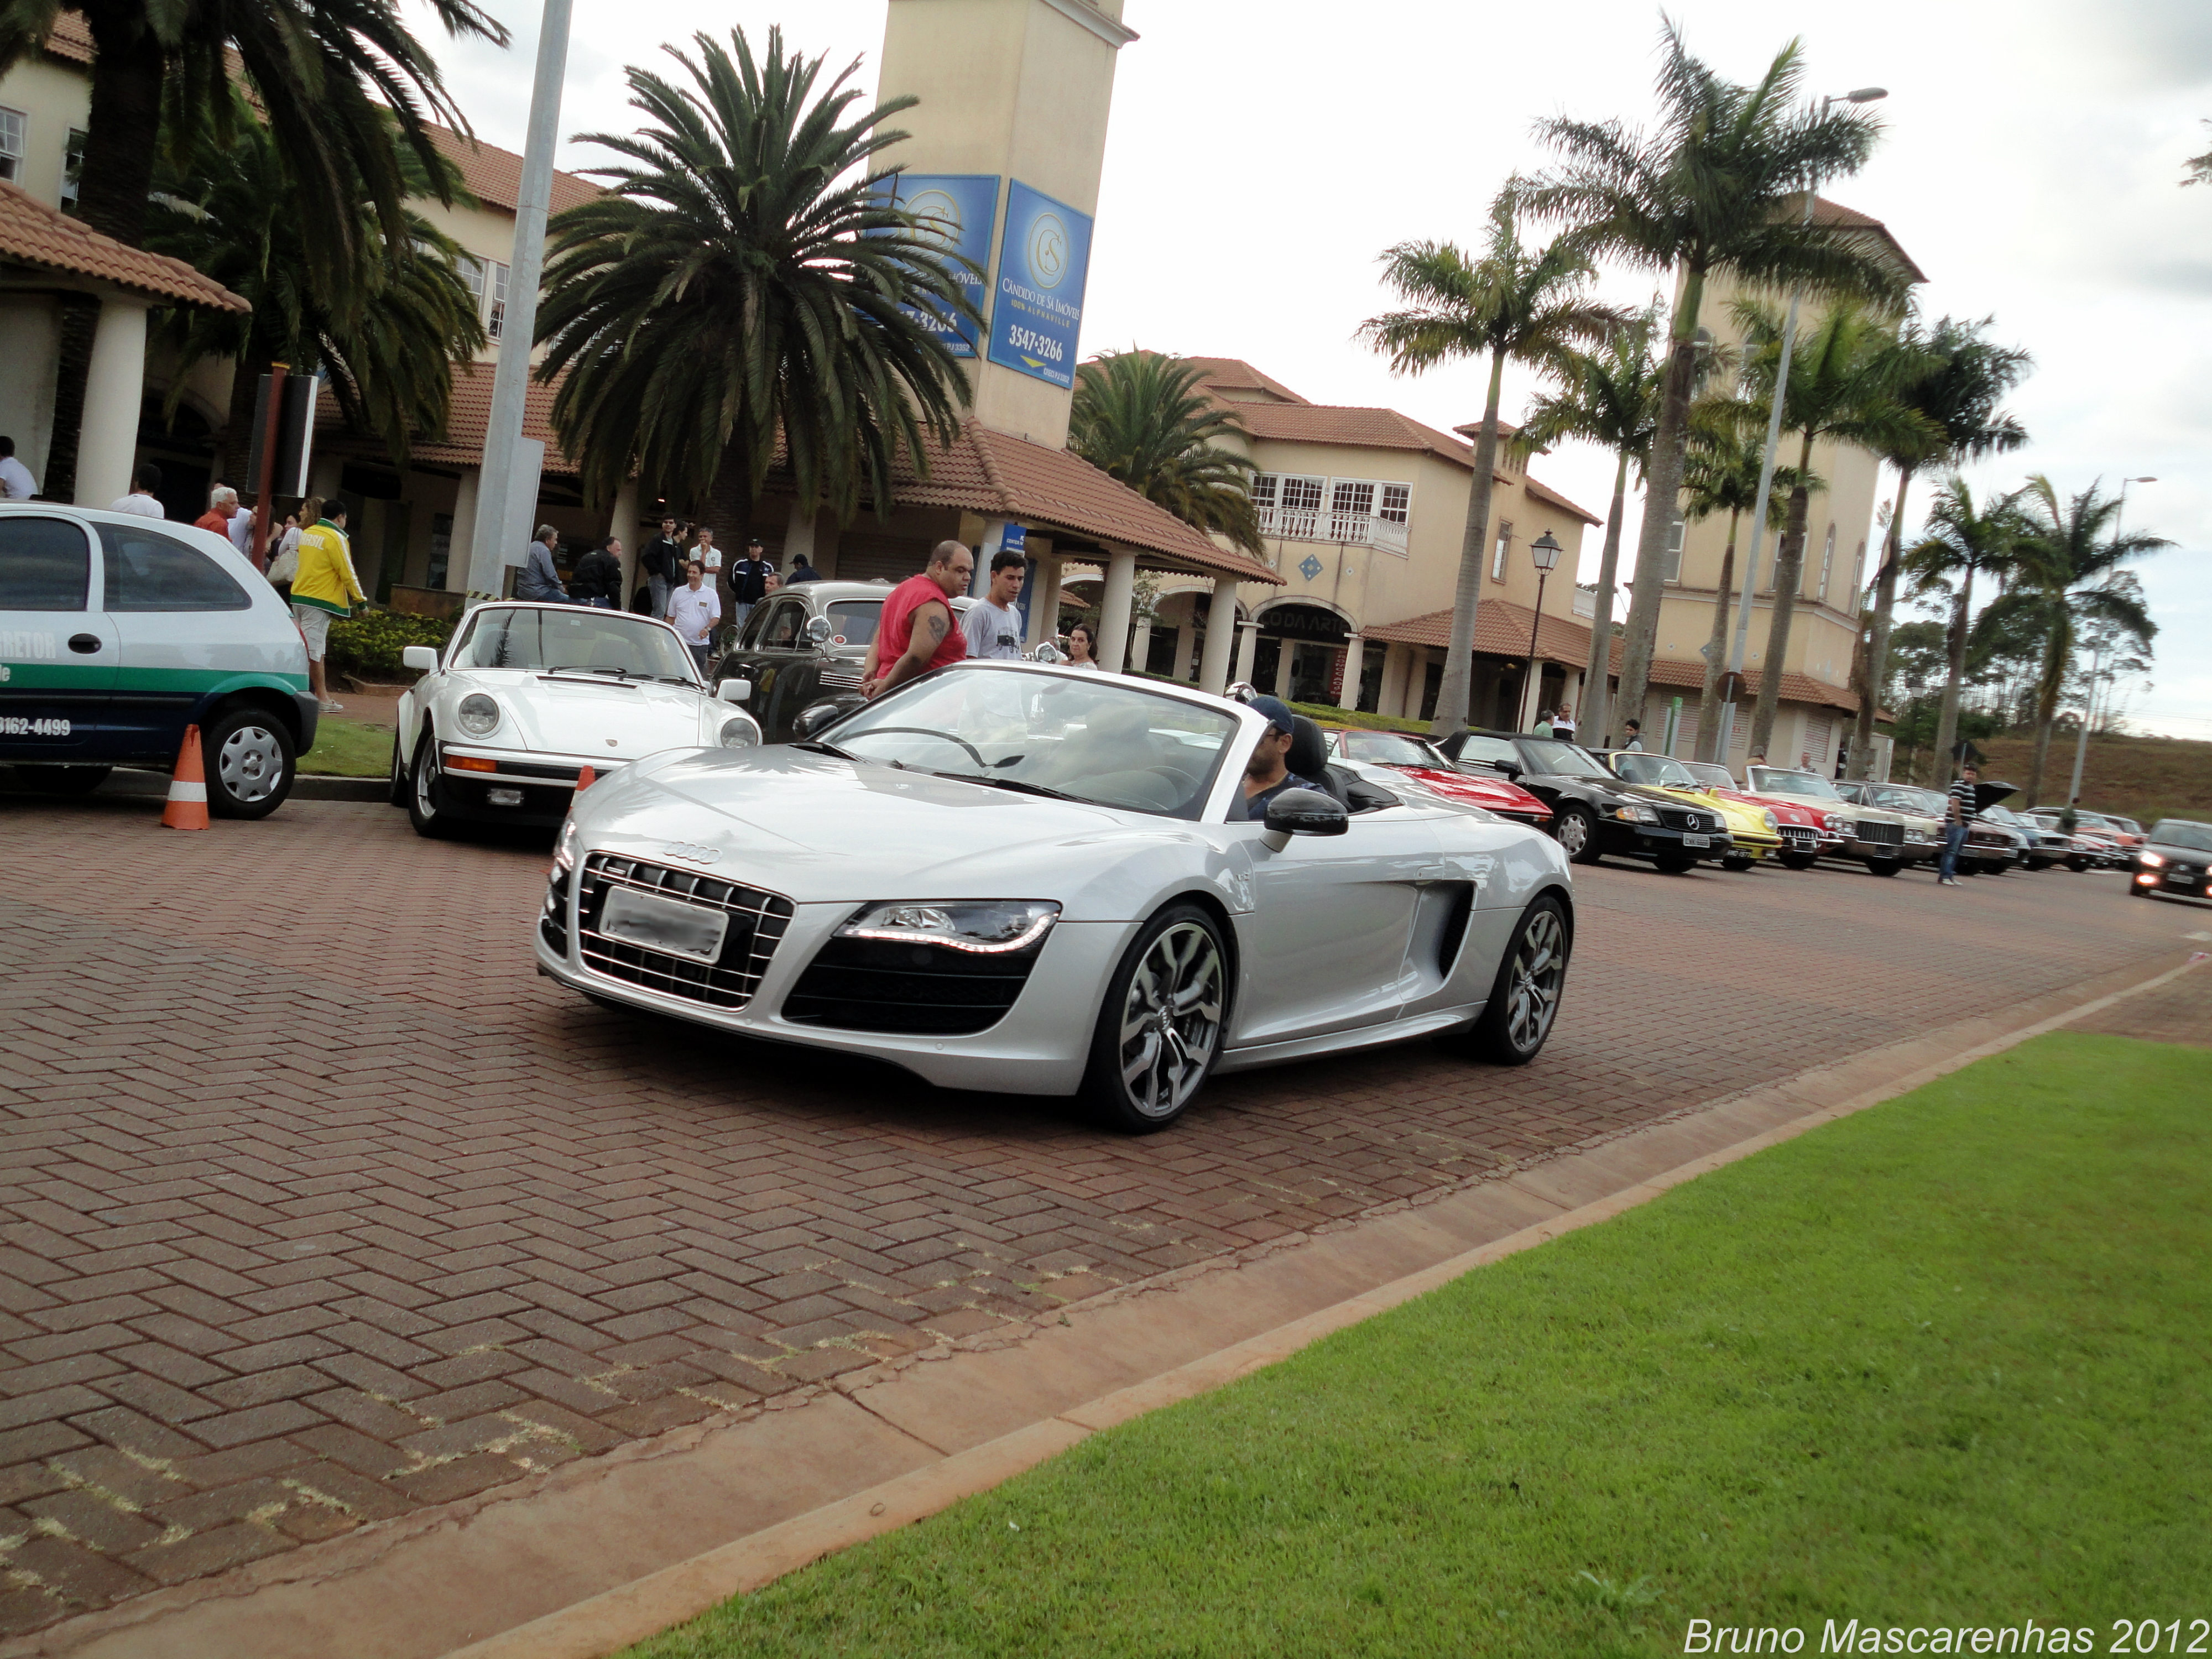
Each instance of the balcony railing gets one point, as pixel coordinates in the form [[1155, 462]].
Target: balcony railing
[[1321, 524]]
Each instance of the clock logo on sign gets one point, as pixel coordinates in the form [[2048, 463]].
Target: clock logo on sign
[[1048, 250]]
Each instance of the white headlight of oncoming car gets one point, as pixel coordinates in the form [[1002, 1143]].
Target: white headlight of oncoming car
[[740, 733], [479, 715], [989, 926]]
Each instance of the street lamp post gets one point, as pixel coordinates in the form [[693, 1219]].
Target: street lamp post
[[1544, 551], [1725, 730], [2097, 663]]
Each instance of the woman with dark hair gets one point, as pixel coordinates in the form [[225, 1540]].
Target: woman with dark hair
[[1082, 648]]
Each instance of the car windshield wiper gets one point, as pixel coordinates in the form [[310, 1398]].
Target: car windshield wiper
[[821, 748], [1014, 784], [625, 675]]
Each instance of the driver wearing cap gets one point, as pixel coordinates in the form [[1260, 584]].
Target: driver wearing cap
[[1267, 774]]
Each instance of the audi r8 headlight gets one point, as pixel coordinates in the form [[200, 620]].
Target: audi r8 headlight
[[739, 733], [479, 715], [1636, 814], [988, 927], [2157, 861], [564, 846], [1773, 824]]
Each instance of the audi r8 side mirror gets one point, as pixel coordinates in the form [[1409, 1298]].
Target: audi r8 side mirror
[[424, 658], [733, 690], [819, 631], [1307, 812]]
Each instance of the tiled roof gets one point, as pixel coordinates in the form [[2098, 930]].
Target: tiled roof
[[1501, 630], [1825, 212], [1364, 428], [998, 474], [471, 414], [1221, 374], [494, 175], [39, 235], [1544, 492], [70, 37]]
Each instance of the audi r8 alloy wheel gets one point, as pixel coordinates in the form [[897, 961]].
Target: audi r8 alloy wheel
[[249, 761], [1577, 833], [1161, 1024], [426, 805], [1525, 999]]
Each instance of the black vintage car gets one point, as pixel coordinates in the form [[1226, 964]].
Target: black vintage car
[[805, 645], [1594, 812], [2175, 857]]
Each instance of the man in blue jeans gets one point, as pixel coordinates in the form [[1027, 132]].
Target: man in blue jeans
[[1959, 816]]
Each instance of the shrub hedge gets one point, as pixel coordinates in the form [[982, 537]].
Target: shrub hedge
[[370, 645]]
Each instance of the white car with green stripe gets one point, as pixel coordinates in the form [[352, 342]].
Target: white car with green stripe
[[116, 632]]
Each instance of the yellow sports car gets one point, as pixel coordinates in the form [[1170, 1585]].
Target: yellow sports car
[[1756, 832]]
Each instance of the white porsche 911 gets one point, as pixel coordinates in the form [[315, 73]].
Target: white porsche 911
[[1023, 879], [525, 696]]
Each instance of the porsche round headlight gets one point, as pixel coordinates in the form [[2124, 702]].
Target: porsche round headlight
[[1773, 824], [740, 733], [479, 715]]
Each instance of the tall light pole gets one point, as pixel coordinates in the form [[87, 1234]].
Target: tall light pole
[[1544, 551], [2097, 662], [1742, 635], [488, 543]]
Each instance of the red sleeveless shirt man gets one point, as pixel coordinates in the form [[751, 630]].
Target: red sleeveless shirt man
[[895, 633]]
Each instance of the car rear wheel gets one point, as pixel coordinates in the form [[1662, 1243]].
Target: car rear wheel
[[426, 797], [1160, 1025], [250, 764], [1577, 833], [1524, 1001], [2078, 865], [1799, 860]]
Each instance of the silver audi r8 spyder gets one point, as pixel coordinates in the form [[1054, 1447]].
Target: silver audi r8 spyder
[[1039, 880]]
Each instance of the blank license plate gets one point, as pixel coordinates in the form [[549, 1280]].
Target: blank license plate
[[660, 924], [1697, 841]]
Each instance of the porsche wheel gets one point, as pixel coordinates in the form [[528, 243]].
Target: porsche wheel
[[426, 801], [1161, 1024], [1577, 832], [1524, 1001]]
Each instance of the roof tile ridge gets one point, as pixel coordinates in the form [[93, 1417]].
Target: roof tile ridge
[[989, 462]]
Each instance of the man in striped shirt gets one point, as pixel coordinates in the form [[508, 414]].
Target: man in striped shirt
[[1964, 807]]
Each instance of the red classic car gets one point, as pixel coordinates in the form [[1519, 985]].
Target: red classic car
[[1807, 834], [1422, 762]]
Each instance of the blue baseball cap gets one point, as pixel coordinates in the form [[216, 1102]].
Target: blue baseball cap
[[1275, 711]]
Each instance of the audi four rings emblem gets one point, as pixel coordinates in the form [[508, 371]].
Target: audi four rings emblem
[[691, 852]]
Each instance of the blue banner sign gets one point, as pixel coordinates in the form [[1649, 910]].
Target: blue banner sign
[[959, 209], [1036, 309]]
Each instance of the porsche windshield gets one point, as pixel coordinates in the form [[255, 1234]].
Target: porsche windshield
[[543, 640], [1087, 738], [1710, 775], [1388, 749]]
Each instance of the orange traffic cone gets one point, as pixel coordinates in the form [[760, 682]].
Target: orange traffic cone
[[586, 778], [187, 807]]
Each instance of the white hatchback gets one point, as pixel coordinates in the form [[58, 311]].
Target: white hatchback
[[524, 696]]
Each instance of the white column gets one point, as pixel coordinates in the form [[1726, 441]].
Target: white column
[[1533, 683], [1572, 697], [1390, 698], [1186, 656], [1283, 665], [1354, 651], [1114, 610], [1220, 635], [465, 527], [623, 521], [1247, 647], [1141, 648], [113, 389], [1044, 610]]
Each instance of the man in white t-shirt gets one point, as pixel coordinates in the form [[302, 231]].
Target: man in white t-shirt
[[993, 626], [16, 484], [142, 499], [693, 611]]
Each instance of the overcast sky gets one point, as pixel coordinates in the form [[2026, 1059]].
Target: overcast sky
[[1261, 156]]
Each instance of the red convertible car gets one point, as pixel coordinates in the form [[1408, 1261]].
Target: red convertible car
[[1427, 767]]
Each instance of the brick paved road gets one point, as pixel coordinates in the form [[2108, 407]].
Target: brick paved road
[[318, 1206]]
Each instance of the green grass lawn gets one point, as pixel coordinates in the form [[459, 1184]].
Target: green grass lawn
[[1947, 1362], [347, 749]]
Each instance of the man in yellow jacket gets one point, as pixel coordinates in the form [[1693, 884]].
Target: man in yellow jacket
[[325, 588]]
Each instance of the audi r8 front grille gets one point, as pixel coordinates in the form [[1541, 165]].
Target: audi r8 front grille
[[883, 985], [1888, 835], [757, 921], [553, 923]]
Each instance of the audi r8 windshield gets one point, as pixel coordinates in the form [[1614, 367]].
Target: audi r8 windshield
[[1087, 738]]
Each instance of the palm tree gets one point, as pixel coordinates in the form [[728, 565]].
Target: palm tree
[[388, 336], [1954, 378], [1844, 381], [1964, 539], [1716, 189], [1609, 397], [1514, 304], [328, 76], [2073, 553], [744, 285], [1720, 474], [1139, 416]]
